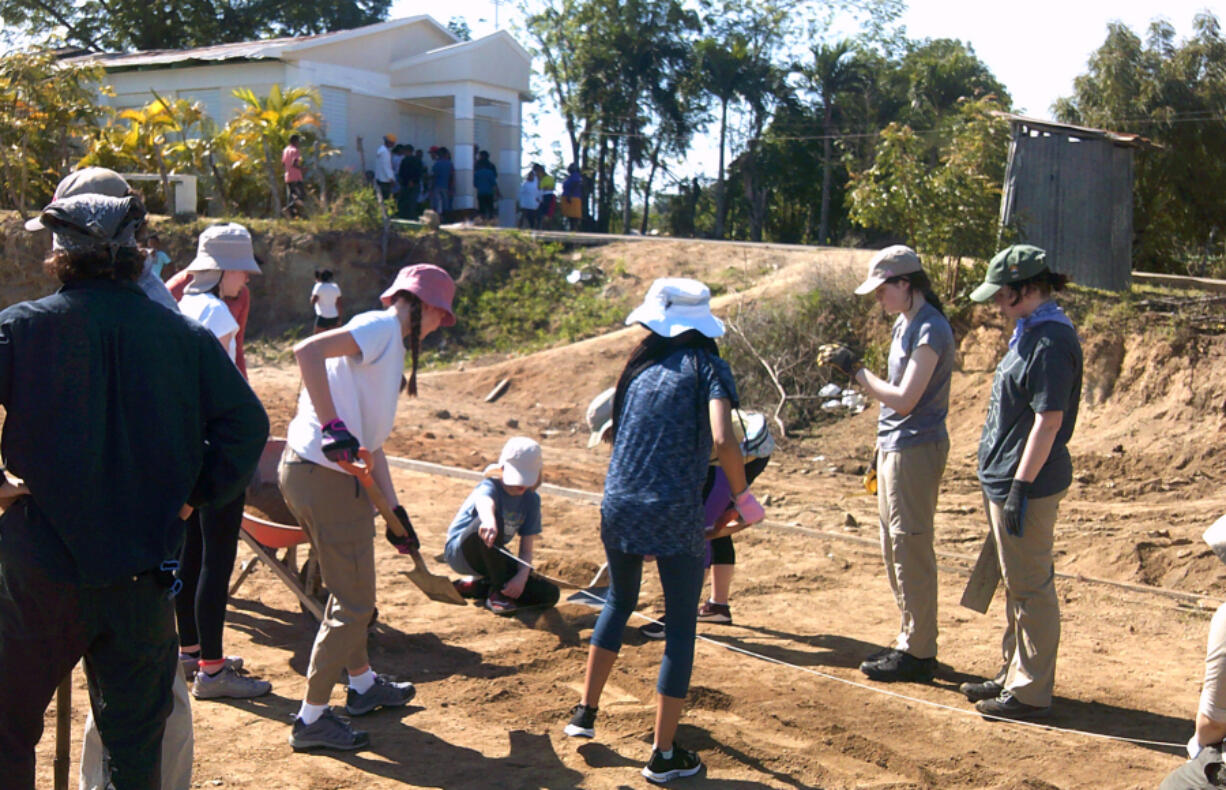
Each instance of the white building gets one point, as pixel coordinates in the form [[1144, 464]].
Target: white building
[[411, 77]]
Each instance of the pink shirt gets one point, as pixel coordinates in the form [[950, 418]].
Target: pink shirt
[[290, 158]]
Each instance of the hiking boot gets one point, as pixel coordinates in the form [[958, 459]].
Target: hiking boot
[[191, 664], [1007, 706], [472, 588], [228, 684], [653, 630], [682, 763], [499, 604], [873, 658], [384, 694], [900, 666], [984, 689], [328, 732], [582, 722], [711, 612]]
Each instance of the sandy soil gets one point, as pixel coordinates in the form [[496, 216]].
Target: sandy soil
[[812, 598]]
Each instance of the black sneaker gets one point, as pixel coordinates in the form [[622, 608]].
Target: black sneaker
[[900, 666], [873, 658], [328, 732], [653, 630], [711, 612], [1007, 706], [384, 694], [582, 722], [984, 689], [682, 763]]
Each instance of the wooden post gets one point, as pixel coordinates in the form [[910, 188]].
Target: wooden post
[[63, 731]]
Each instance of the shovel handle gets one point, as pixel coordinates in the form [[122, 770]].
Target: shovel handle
[[362, 471]]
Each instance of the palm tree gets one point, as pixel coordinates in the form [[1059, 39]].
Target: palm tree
[[265, 125], [832, 73]]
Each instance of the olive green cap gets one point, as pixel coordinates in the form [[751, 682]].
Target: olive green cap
[[1010, 265]]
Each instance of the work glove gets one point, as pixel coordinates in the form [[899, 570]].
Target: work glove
[[840, 357], [870, 477], [747, 506], [338, 443], [405, 544], [1014, 510]]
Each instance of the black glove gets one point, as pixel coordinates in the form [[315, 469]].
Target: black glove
[[841, 357], [405, 544], [1014, 510], [339, 444]]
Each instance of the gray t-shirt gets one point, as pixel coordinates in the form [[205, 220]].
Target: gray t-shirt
[[518, 515], [1041, 373], [926, 422]]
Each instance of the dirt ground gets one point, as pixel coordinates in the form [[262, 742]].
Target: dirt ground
[[810, 596]]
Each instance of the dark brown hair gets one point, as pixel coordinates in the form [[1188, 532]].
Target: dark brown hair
[[126, 264], [919, 282], [1046, 281], [414, 338], [651, 350]]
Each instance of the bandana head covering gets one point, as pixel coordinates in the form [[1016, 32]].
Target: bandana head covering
[[93, 223]]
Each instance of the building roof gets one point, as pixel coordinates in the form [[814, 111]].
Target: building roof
[[267, 49], [1126, 139]]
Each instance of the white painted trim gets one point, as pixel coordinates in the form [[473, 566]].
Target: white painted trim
[[358, 32], [453, 49]]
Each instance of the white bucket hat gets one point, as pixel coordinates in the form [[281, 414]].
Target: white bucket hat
[[887, 263], [520, 462], [225, 247], [600, 416], [674, 305]]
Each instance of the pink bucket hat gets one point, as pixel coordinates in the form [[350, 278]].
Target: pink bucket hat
[[428, 283]]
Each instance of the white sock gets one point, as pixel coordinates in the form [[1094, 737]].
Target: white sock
[[363, 682], [310, 713], [668, 755]]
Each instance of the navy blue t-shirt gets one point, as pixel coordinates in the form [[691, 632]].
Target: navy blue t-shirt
[[653, 491], [1041, 373]]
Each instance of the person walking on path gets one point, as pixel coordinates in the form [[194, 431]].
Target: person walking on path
[[672, 403], [121, 417], [498, 509], [326, 300], [912, 446], [1025, 470], [295, 187], [224, 261], [351, 377], [385, 176]]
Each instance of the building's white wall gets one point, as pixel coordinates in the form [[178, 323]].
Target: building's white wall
[[132, 88], [377, 51]]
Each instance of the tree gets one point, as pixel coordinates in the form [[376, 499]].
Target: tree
[[458, 25], [45, 109], [132, 24], [264, 126], [1174, 94], [833, 73]]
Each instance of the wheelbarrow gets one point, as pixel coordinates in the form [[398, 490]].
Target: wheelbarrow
[[265, 537]]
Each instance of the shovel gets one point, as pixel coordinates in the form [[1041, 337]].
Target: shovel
[[984, 578], [436, 588]]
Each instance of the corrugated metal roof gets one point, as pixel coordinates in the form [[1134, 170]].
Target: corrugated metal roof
[[1083, 132]]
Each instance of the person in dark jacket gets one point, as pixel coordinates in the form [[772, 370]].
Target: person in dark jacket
[[121, 417]]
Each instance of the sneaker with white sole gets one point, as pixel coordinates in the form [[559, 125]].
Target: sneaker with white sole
[[582, 722], [711, 612], [682, 763], [653, 630], [329, 731], [384, 694], [228, 684]]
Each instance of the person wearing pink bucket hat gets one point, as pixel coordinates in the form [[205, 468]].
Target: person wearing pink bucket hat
[[352, 377]]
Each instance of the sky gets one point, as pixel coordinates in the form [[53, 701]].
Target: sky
[[1036, 48]]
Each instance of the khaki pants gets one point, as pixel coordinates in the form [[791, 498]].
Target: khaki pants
[[337, 515], [177, 743], [908, 481], [1032, 629]]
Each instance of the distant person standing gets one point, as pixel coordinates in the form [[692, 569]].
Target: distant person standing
[[572, 198], [443, 180], [409, 175], [295, 188], [157, 258], [547, 184], [385, 176], [326, 299], [529, 200], [485, 181]]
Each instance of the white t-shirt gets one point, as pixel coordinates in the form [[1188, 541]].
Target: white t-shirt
[[365, 389], [210, 311], [325, 305]]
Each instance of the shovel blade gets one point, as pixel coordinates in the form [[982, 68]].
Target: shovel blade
[[437, 588], [985, 578]]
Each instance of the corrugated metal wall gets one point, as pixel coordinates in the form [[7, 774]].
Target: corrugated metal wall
[[1073, 198]]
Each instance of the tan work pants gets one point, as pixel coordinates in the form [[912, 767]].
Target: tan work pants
[[908, 481], [1032, 629], [336, 513]]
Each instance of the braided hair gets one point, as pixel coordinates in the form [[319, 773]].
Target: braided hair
[[413, 341]]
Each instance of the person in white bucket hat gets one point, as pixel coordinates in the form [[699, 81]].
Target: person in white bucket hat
[[672, 403], [503, 505], [224, 260], [1206, 744]]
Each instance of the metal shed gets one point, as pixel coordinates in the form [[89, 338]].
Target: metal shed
[[1068, 189]]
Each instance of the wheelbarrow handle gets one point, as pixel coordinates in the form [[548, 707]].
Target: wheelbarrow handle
[[363, 472]]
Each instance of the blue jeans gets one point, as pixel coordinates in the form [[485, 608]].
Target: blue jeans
[[681, 577]]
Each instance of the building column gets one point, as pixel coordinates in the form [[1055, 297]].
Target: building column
[[509, 165], [462, 157]]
